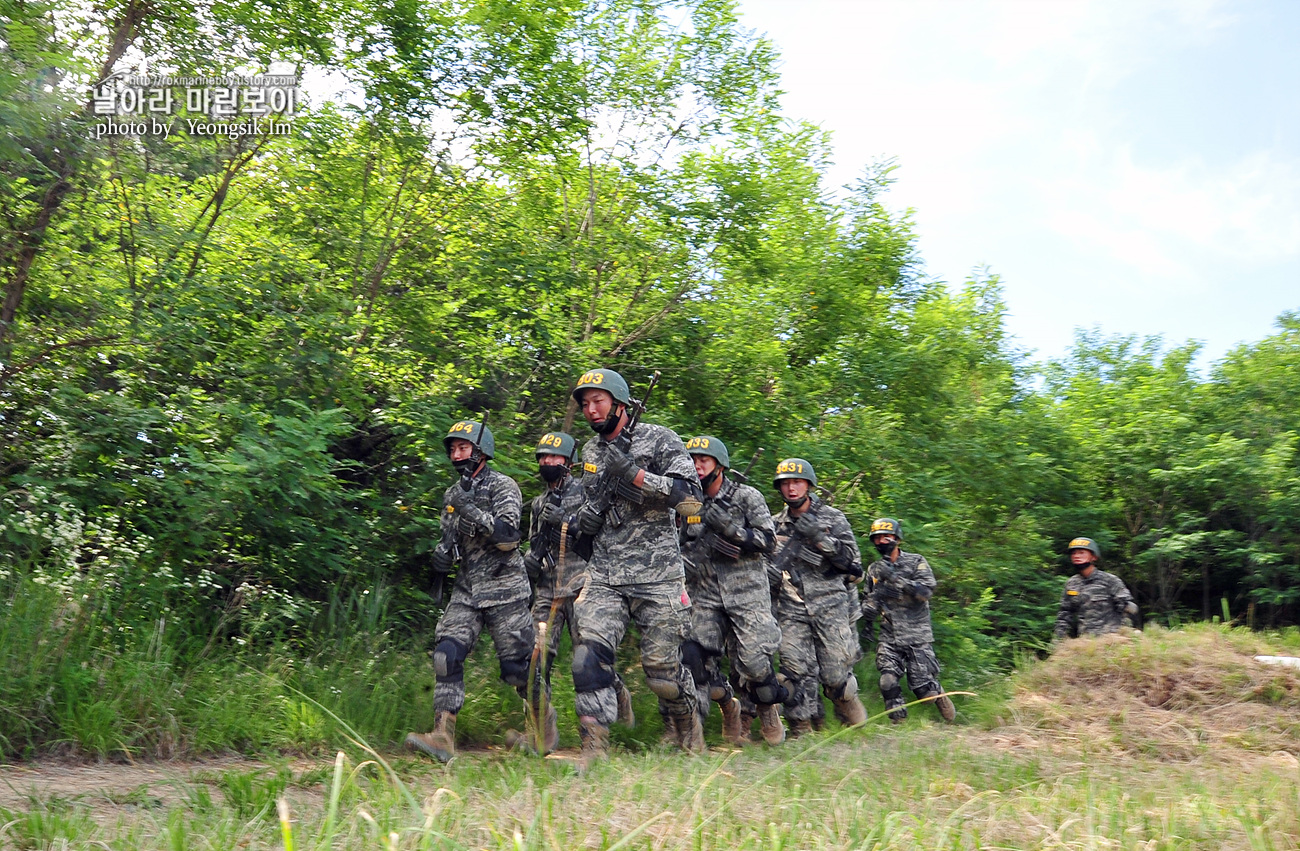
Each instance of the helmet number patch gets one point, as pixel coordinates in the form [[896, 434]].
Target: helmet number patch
[[550, 440], [591, 378], [789, 467], [463, 427], [697, 443]]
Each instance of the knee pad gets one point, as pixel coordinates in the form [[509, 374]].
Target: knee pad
[[449, 660], [514, 672], [770, 691], [663, 684], [847, 689], [693, 658], [888, 683], [593, 667], [720, 692]]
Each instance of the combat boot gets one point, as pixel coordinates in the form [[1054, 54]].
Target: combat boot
[[800, 727], [747, 719], [731, 722], [690, 732], [441, 742], [944, 703], [850, 711], [772, 728], [626, 716], [595, 743]]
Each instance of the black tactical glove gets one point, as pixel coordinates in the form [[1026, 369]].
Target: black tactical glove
[[590, 521], [806, 525], [442, 560], [552, 515], [459, 498], [888, 592], [620, 465], [722, 522], [886, 570], [532, 564]]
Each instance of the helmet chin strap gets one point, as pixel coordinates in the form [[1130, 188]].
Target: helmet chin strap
[[794, 503]]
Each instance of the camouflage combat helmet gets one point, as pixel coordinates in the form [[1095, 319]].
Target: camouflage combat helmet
[[795, 468], [556, 443], [603, 379], [710, 446], [1084, 544], [886, 526], [470, 430]]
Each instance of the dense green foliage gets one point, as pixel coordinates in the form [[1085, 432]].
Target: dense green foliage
[[228, 363]]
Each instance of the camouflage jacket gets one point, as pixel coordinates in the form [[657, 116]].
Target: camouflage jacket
[[559, 578], [725, 572], [1097, 604], [638, 542], [808, 577], [899, 594], [490, 568]]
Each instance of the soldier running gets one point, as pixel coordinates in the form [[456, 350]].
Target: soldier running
[[899, 587], [635, 567], [731, 602], [819, 560], [480, 533], [1095, 602]]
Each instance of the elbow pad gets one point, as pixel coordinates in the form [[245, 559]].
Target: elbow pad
[[922, 592], [686, 497], [758, 541]]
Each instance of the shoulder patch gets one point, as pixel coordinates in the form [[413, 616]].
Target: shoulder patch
[[1072, 592], [588, 467]]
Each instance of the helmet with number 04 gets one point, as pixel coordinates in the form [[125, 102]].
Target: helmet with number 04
[[711, 447], [556, 443], [603, 379], [795, 468], [1084, 544], [469, 430]]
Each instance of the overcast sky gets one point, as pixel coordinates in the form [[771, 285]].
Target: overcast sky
[[1124, 164]]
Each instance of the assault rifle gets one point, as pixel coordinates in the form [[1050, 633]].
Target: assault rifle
[[466, 484], [607, 486]]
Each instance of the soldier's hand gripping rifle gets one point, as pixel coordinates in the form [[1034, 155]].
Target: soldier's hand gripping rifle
[[608, 485], [466, 484], [718, 543]]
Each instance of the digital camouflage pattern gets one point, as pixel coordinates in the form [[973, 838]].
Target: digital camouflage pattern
[[638, 543], [1094, 606], [817, 610], [904, 618], [486, 575], [491, 587], [558, 578], [731, 598], [635, 573]]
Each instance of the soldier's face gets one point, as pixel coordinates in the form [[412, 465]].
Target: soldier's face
[[596, 405], [704, 465], [552, 460], [460, 450], [1080, 557], [794, 489]]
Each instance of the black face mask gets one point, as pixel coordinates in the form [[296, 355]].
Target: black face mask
[[467, 466], [885, 547], [707, 481], [552, 473], [794, 503]]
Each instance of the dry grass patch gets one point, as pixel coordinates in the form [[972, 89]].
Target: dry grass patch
[[1171, 695]]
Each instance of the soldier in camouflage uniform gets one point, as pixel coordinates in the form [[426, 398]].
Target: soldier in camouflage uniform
[[480, 533], [1094, 601], [818, 607], [731, 601], [557, 571], [635, 567], [899, 587]]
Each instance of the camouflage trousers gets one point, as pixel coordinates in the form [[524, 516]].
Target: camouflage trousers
[[814, 650], [747, 635], [916, 661], [511, 628], [563, 617], [660, 611]]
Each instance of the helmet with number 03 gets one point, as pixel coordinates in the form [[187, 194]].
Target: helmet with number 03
[[603, 379], [470, 430], [1084, 544], [886, 526], [795, 468], [710, 446], [556, 443]]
